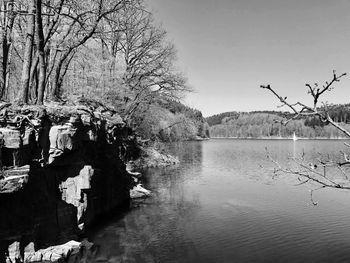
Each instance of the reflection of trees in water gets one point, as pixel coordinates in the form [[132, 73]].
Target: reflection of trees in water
[[187, 152], [151, 231], [157, 230]]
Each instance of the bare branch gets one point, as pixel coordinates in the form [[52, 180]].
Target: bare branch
[[311, 195], [309, 172]]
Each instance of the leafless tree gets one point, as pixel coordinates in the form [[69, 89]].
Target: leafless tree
[[81, 21], [149, 61], [128, 61], [7, 17], [28, 50], [41, 52], [103, 46], [317, 171]]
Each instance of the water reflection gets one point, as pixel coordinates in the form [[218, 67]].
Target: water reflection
[[157, 227], [295, 155], [221, 205]]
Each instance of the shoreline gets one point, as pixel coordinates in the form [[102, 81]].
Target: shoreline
[[284, 139]]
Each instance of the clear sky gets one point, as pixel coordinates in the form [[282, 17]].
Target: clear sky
[[228, 48]]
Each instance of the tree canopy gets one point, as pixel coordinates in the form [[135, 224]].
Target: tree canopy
[[113, 50]]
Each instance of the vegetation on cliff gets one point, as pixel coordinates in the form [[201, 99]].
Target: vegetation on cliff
[[110, 51], [170, 120]]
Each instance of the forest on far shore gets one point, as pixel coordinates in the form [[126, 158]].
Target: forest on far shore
[[267, 124]]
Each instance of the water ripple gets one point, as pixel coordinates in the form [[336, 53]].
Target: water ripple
[[221, 205]]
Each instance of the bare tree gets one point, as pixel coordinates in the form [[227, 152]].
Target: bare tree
[[27, 58], [149, 61], [41, 52], [7, 17], [52, 38], [301, 109], [317, 171], [80, 26], [128, 61], [60, 28]]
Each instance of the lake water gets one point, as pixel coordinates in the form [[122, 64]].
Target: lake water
[[221, 204]]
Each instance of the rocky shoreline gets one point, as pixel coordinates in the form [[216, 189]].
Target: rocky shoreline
[[62, 167], [150, 157]]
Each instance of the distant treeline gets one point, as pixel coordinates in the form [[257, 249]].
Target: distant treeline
[[267, 124], [218, 118]]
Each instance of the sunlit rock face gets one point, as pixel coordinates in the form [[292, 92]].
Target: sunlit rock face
[[62, 169], [69, 252]]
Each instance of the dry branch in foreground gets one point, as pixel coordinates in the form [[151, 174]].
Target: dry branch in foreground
[[317, 172]]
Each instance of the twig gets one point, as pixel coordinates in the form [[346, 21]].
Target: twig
[[312, 197]]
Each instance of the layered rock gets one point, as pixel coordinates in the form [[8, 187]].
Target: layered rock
[[139, 191], [69, 252], [62, 167]]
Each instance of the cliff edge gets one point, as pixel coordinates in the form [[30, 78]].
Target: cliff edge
[[62, 166]]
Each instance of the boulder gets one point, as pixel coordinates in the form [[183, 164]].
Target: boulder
[[12, 138], [139, 191], [60, 253], [15, 252], [29, 136], [14, 179], [72, 191], [29, 251], [62, 138]]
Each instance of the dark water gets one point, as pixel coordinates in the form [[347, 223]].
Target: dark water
[[222, 205]]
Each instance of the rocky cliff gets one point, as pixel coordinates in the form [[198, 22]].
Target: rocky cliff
[[61, 168]]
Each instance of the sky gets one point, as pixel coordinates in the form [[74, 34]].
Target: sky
[[228, 48]]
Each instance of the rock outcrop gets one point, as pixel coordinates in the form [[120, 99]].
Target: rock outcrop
[[150, 157], [139, 191], [70, 252], [61, 168]]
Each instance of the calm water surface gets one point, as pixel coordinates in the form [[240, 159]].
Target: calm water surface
[[222, 205]]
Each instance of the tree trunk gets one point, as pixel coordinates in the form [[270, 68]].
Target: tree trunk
[[33, 81], [58, 75], [41, 53], [56, 88], [33, 84], [28, 50], [60, 72], [3, 67], [6, 40]]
